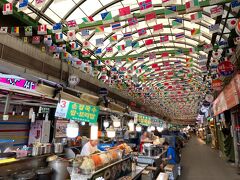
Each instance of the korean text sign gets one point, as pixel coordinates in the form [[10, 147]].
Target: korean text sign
[[79, 112]]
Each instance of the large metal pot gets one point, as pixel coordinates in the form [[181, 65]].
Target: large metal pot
[[59, 167]]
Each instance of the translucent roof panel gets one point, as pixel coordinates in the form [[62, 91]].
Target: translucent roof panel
[[180, 66]]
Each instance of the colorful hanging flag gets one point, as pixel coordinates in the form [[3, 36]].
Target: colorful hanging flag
[[235, 6], [214, 28], [113, 39], [28, 30], [47, 40], [128, 43], [142, 32], [42, 29], [86, 44], [88, 19], [125, 13], [36, 40], [7, 9], [72, 25], [107, 17], [216, 11], [170, 12], [192, 5], [15, 31], [127, 35], [165, 55], [231, 23], [237, 40], [22, 5], [39, 3], [149, 42], [71, 36], [116, 26], [56, 55], [168, 2], [25, 39], [223, 44], [3, 30], [109, 50], [180, 35], [98, 51], [157, 28], [207, 47], [121, 48], [74, 46], [132, 22], [145, 6], [230, 51], [57, 28], [86, 53], [177, 23], [52, 48], [98, 63], [59, 37], [140, 59], [129, 60], [135, 45], [99, 42], [99, 30], [150, 17], [195, 32], [85, 33], [152, 56], [196, 17], [164, 39]]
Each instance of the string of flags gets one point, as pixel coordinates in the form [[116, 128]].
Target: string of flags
[[122, 74]]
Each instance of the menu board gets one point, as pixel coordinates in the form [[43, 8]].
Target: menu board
[[79, 112], [142, 119], [60, 128]]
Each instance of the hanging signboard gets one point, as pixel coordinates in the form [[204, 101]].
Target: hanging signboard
[[79, 112], [230, 95], [225, 68], [156, 122], [16, 82], [219, 105], [142, 119]]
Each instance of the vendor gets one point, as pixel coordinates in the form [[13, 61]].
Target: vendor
[[171, 154], [89, 148], [144, 139]]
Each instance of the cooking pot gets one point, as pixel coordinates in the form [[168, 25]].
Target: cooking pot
[[59, 167]]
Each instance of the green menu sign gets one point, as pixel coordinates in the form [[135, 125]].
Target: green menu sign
[[143, 119], [79, 112]]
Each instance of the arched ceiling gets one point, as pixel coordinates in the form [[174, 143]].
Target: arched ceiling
[[176, 87]]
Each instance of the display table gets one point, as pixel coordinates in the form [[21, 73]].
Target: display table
[[136, 174]]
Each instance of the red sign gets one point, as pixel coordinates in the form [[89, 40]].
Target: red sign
[[219, 105], [225, 68]]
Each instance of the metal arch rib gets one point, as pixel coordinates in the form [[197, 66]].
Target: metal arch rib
[[73, 9], [46, 6]]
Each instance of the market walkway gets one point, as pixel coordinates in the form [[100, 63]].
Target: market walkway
[[200, 162]]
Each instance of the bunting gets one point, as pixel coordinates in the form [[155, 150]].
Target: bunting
[[7, 9], [158, 28], [107, 17]]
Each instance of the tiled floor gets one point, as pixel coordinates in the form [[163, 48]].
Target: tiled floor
[[200, 162]]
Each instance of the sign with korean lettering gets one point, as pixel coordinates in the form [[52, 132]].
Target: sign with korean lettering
[[79, 112], [143, 119], [17, 82]]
